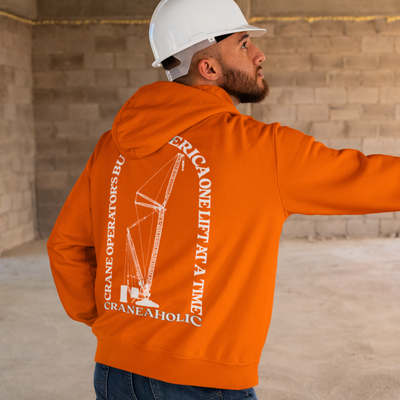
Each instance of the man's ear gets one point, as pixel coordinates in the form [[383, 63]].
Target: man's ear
[[209, 69]]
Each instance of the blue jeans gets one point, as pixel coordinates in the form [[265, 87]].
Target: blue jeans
[[115, 384]]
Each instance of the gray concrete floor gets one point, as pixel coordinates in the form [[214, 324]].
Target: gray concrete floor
[[335, 332]]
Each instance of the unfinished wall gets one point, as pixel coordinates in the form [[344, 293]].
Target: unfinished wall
[[48, 9], [339, 82], [17, 199], [21, 8], [82, 77], [336, 80], [70, 9], [331, 79], [312, 8]]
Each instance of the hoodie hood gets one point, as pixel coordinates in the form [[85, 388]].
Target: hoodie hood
[[158, 112]]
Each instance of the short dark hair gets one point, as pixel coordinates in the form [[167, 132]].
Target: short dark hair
[[170, 62]]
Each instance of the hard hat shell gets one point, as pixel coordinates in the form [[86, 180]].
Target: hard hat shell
[[179, 24]]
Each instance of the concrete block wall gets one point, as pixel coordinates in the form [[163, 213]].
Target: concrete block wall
[[339, 82], [336, 80], [70, 9], [17, 147], [82, 77], [21, 8], [317, 8]]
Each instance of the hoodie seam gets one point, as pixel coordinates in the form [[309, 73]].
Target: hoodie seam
[[208, 359]]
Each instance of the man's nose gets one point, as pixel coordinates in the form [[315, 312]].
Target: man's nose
[[258, 56]]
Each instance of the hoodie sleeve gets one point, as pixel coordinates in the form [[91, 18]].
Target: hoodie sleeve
[[314, 179], [71, 252]]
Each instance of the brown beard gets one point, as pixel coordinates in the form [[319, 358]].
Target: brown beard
[[243, 86]]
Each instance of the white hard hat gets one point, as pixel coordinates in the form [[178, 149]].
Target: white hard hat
[[181, 28]]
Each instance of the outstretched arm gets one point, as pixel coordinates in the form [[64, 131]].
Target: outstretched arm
[[314, 179]]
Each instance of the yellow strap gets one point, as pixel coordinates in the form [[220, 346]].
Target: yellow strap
[[389, 18]]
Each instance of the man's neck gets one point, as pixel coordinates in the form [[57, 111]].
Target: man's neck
[[235, 101]]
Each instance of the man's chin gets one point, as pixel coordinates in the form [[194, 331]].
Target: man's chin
[[264, 91], [262, 84], [243, 87]]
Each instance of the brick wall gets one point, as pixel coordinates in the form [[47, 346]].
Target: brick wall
[[82, 77], [17, 149], [339, 82], [70, 9], [316, 8], [335, 80], [22, 8]]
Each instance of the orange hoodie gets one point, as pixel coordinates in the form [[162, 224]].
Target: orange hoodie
[[167, 245]]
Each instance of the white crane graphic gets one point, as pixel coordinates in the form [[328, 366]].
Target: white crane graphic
[[144, 236]]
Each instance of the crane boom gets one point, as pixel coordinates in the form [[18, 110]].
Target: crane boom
[[160, 209]]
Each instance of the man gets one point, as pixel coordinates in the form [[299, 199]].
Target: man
[[167, 245]]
